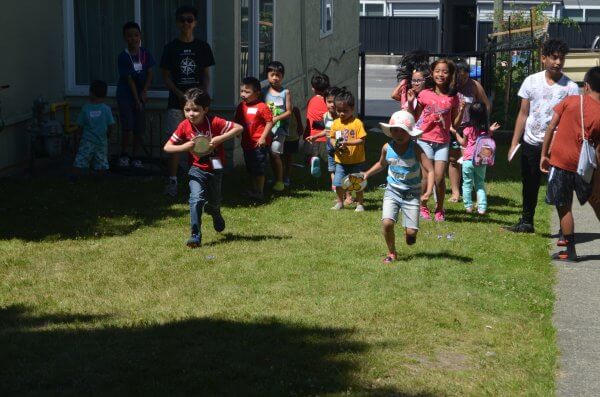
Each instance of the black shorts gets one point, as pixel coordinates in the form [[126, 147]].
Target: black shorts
[[256, 160], [291, 146], [562, 183], [131, 118]]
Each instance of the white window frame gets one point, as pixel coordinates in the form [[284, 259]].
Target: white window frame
[[323, 31], [254, 44], [73, 89], [369, 2]]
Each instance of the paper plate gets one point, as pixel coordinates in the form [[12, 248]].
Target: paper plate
[[202, 145], [354, 183]]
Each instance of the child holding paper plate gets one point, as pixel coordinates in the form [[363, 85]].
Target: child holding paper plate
[[202, 136]]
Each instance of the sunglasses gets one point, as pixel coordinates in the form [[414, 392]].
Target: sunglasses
[[186, 19]]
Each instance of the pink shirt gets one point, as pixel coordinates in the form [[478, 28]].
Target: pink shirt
[[436, 117], [471, 134]]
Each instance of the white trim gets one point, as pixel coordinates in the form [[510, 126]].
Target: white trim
[[71, 87]]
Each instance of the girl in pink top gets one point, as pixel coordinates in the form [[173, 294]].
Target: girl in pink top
[[410, 62], [438, 108]]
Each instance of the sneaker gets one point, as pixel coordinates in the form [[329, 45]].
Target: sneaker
[[218, 222], [359, 208], [278, 186], [286, 182], [390, 257], [349, 200], [425, 214], [123, 161], [315, 167], [137, 164], [440, 216], [481, 212], [469, 210], [194, 241], [520, 227], [171, 188], [337, 206]]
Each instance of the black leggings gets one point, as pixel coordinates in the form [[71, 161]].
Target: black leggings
[[531, 174]]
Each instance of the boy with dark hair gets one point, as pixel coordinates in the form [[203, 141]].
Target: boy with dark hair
[[95, 122], [257, 120], [315, 109], [279, 100], [135, 76], [539, 93], [185, 62], [561, 163]]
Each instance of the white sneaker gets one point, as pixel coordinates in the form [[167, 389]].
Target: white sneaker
[[359, 208], [124, 161], [137, 164], [337, 206]]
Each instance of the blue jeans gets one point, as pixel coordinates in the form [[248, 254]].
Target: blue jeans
[[474, 175], [205, 188]]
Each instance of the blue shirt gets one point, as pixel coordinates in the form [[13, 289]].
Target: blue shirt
[[404, 171], [135, 66], [95, 118]]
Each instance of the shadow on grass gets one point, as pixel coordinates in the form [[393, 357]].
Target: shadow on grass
[[437, 255], [201, 356], [460, 216], [226, 238]]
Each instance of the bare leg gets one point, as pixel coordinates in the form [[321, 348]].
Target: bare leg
[[260, 184], [427, 182], [567, 223], [359, 197], [277, 167], [440, 183], [340, 194], [411, 236], [454, 172], [388, 234]]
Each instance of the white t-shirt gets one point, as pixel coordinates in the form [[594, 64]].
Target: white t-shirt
[[542, 99]]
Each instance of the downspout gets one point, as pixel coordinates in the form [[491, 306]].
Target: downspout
[[303, 47]]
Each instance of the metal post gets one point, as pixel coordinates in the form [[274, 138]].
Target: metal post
[[509, 75], [363, 66]]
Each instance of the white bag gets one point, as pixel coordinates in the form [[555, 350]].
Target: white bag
[[587, 157]]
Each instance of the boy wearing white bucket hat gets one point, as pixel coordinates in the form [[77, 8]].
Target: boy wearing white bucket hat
[[402, 157]]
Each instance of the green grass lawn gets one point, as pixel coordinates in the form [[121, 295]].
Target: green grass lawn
[[99, 295]]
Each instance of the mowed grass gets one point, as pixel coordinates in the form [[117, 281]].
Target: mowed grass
[[99, 295]]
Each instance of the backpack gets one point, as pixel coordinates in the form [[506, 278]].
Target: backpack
[[485, 151]]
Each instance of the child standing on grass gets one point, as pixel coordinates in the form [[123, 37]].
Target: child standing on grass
[[206, 170], [403, 156], [279, 100], [135, 76], [561, 162], [257, 120], [315, 109], [95, 123], [348, 138], [472, 174], [438, 109], [292, 144]]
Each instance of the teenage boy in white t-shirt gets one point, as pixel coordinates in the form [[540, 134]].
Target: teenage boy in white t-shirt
[[539, 93]]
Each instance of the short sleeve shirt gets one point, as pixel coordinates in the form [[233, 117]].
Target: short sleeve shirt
[[212, 126], [436, 118], [315, 109], [253, 117], [471, 134], [186, 63], [542, 100], [353, 129], [136, 66], [95, 118], [567, 142]]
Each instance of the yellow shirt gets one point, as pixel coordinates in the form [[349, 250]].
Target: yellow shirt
[[353, 129]]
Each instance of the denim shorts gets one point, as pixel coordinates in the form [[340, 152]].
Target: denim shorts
[[90, 154], [435, 151], [256, 160], [395, 201], [343, 170], [131, 119]]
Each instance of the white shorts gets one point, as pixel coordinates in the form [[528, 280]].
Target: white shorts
[[407, 202], [277, 144]]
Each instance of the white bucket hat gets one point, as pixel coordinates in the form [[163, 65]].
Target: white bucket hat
[[401, 119]]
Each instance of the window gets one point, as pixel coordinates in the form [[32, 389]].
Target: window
[[592, 15], [93, 37], [576, 15], [256, 37], [374, 10], [326, 17]]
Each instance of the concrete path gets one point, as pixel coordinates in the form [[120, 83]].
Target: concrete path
[[380, 82], [577, 309]]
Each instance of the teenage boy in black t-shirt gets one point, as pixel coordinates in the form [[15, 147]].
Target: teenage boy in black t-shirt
[[185, 62]]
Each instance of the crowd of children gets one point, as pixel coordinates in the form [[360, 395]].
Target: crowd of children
[[443, 126]]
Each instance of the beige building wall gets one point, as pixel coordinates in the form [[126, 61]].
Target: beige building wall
[[31, 45]]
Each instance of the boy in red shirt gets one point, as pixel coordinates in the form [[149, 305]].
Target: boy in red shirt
[[561, 163], [257, 120], [207, 166], [315, 109]]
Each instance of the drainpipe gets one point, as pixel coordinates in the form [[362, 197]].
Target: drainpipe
[[303, 47]]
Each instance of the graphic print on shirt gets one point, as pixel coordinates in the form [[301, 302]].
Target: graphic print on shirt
[[344, 136], [433, 114], [188, 66]]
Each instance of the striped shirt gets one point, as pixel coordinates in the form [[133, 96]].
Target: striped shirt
[[404, 171]]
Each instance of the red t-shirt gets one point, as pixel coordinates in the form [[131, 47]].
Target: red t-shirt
[[436, 118], [211, 126], [253, 117], [315, 109], [567, 142]]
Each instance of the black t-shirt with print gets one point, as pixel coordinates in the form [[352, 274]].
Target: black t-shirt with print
[[186, 62]]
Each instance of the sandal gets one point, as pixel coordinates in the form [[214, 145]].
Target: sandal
[[563, 256], [391, 257], [454, 199]]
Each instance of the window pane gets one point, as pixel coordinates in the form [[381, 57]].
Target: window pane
[[98, 38], [576, 15], [592, 15], [374, 10], [159, 28], [265, 36], [244, 40]]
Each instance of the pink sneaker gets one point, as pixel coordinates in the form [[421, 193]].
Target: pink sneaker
[[425, 214], [440, 216]]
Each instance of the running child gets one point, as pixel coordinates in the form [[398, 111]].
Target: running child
[[207, 169], [348, 139], [257, 120], [315, 109], [472, 174], [279, 100], [438, 108], [561, 162], [402, 156]]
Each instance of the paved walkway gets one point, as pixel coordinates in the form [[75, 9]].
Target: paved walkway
[[577, 310]]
